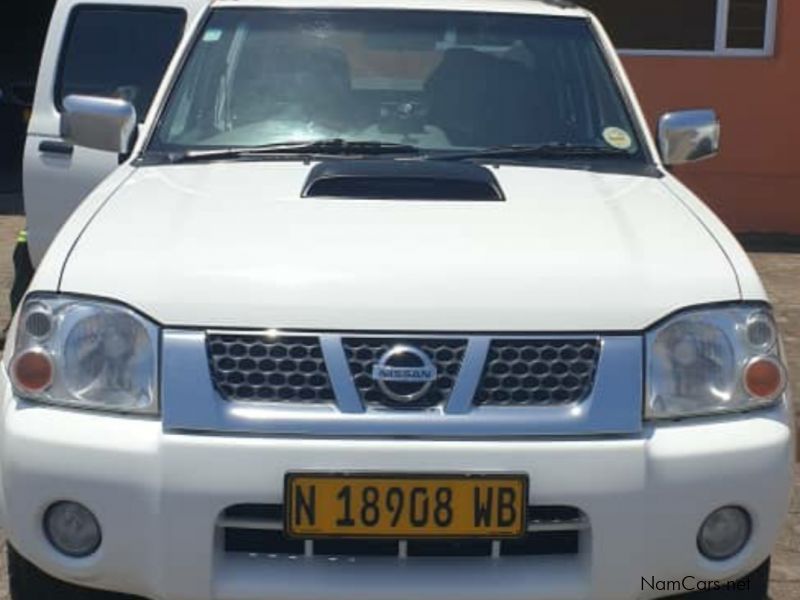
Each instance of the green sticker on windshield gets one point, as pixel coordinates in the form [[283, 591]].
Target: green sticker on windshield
[[617, 138]]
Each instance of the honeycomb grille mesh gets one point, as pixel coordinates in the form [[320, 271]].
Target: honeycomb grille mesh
[[364, 353], [256, 368], [538, 372]]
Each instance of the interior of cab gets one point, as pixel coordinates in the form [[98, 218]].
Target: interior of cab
[[461, 80]]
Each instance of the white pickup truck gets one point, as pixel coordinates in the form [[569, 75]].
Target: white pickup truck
[[378, 303]]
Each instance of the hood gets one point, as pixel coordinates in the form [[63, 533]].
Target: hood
[[235, 245]]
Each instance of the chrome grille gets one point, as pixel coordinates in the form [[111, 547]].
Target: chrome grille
[[364, 353], [196, 383], [259, 368], [539, 372]]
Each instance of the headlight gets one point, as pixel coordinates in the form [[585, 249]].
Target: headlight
[[714, 361], [87, 354]]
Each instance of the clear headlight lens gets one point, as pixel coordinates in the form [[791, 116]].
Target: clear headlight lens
[[86, 353], [714, 361]]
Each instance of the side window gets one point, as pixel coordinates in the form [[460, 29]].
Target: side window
[[118, 52]]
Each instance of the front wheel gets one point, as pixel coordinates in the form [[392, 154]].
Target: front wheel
[[26, 582]]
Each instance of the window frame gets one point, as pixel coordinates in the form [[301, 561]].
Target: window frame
[[75, 12], [721, 49]]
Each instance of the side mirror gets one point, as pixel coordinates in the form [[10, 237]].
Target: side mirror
[[99, 123], [688, 136]]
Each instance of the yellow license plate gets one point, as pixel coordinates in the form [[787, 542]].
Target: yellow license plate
[[404, 507]]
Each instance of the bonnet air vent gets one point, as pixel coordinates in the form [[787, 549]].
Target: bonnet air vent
[[402, 180]]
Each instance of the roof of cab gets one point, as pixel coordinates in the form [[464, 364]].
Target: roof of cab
[[534, 7]]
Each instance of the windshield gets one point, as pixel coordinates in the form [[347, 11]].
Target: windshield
[[438, 81]]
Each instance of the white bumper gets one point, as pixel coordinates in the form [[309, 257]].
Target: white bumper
[[158, 497]]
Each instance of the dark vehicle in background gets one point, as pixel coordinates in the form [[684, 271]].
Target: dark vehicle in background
[[22, 31], [16, 99]]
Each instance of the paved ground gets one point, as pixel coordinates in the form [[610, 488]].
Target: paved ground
[[781, 273]]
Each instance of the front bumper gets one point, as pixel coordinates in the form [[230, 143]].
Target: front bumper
[[159, 495]]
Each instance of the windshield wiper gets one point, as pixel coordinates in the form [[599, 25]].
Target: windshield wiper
[[330, 147], [534, 151]]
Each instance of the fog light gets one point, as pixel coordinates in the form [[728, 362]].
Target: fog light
[[72, 529], [724, 533]]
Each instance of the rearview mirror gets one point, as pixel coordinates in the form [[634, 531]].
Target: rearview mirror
[[688, 136], [99, 123]]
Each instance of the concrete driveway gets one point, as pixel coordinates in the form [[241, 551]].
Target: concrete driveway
[[781, 273]]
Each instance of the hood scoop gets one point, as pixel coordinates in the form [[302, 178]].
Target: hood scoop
[[402, 180]]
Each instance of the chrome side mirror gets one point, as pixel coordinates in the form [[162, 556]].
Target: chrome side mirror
[[688, 136], [99, 123]]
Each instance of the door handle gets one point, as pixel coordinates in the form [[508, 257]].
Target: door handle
[[56, 148]]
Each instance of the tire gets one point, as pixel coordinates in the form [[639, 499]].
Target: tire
[[23, 273], [26, 582]]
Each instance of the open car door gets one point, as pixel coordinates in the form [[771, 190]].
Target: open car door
[[115, 48]]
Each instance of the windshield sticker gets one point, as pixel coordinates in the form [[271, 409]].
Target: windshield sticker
[[212, 35], [617, 138]]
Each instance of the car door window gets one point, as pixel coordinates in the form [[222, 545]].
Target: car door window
[[119, 52]]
